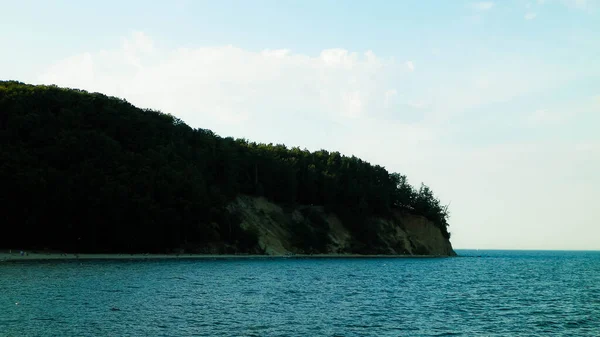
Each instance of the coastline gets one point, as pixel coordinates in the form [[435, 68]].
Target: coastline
[[5, 256]]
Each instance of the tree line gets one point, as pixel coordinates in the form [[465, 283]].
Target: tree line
[[84, 172]]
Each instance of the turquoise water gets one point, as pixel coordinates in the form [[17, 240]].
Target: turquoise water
[[481, 293]]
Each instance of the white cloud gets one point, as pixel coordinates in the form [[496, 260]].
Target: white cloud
[[138, 42], [410, 65], [482, 82], [224, 87], [587, 147], [278, 53], [544, 116], [339, 58], [418, 104], [497, 81], [530, 16], [79, 70], [390, 95], [482, 5], [353, 104]]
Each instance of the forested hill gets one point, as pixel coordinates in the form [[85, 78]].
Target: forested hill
[[85, 172]]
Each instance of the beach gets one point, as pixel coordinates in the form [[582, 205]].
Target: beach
[[14, 256]]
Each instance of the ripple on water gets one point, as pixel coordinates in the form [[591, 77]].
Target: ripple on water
[[499, 294]]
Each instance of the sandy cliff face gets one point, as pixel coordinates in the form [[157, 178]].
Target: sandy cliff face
[[423, 235], [286, 230]]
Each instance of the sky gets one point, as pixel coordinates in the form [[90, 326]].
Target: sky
[[495, 105]]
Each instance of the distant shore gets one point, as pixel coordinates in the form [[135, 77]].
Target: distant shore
[[6, 256]]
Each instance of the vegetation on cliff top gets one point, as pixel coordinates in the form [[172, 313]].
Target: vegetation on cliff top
[[83, 171]]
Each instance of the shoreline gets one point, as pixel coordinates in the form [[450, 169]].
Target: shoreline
[[5, 256]]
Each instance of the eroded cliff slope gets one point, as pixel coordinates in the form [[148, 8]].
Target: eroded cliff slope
[[312, 230]]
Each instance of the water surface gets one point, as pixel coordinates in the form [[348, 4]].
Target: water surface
[[481, 293]]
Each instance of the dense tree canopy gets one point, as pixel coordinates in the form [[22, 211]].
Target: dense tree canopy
[[83, 171]]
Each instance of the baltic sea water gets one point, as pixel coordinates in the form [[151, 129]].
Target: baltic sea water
[[480, 293]]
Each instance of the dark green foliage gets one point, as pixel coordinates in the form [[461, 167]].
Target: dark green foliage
[[86, 172], [312, 234], [232, 232]]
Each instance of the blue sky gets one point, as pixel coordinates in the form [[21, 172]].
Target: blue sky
[[391, 28], [493, 104]]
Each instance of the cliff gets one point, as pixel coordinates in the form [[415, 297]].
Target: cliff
[[84, 172], [281, 231]]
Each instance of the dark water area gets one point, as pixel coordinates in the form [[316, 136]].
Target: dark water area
[[480, 293]]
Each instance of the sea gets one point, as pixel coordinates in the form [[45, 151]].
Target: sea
[[478, 293]]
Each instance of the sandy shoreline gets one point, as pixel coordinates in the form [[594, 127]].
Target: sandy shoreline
[[6, 256]]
